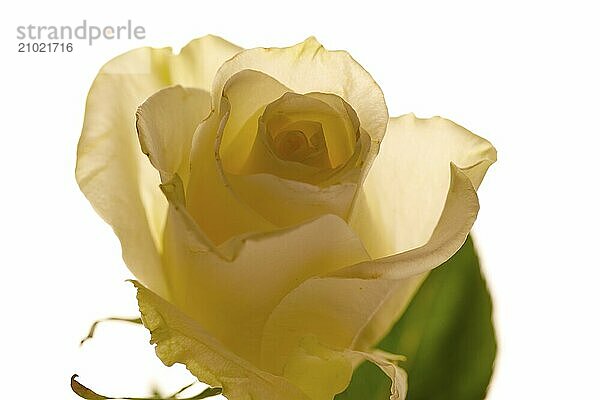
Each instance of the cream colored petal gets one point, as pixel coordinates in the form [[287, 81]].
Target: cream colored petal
[[338, 135], [180, 339], [342, 312], [354, 307], [286, 202], [309, 67], [232, 297], [220, 214], [111, 170], [386, 285], [226, 205], [166, 123], [241, 152], [248, 93], [405, 191], [319, 371], [322, 372], [458, 215], [388, 312], [290, 113], [198, 62]]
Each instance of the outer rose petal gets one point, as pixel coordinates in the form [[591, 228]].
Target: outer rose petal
[[333, 310], [319, 371], [418, 151], [111, 170], [227, 298], [309, 67], [394, 280], [322, 372], [380, 289], [180, 339], [458, 216], [166, 123], [405, 191]]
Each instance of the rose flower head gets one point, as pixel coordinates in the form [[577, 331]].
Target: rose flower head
[[277, 220]]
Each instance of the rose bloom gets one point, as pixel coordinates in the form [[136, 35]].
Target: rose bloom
[[277, 219]]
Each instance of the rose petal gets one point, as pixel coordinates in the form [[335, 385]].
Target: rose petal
[[250, 169], [286, 202], [355, 306], [229, 297], [452, 227], [166, 123], [309, 67], [394, 280], [225, 205], [458, 215], [248, 93], [322, 372], [339, 149], [111, 170], [180, 339], [344, 313], [338, 125], [390, 309], [198, 62], [319, 371], [404, 193], [210, 201]]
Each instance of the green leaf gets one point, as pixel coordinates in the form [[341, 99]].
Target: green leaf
[[446, 334]]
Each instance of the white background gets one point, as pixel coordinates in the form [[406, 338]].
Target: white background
[[523, 75]]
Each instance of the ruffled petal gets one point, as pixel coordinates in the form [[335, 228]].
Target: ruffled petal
[[180, 339], [111, 170]]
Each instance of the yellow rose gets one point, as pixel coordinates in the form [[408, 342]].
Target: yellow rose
[[281, 221]]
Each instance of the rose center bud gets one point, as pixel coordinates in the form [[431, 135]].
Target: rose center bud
[[297, 157], [301, 142], [291, 145], [316, 130]]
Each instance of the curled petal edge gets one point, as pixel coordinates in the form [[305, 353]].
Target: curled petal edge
[[385, 362], [450, 233]]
